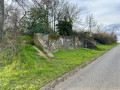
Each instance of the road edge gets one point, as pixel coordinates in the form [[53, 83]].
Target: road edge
[[52, 84]]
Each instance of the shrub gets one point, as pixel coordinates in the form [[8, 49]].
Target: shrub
[[105, 38], [81, 34], [38, 28], [37, 21], [64, 28]]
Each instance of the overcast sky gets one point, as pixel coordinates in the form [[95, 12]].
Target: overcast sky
[[105, 11]]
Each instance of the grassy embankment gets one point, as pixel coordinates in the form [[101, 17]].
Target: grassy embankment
[[31, 71]]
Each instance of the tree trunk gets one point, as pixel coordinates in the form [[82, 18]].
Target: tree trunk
[[1, 18], [54, 22]]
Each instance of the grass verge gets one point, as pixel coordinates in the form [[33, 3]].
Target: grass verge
[[40, 48], [27, 38], [31, 71]]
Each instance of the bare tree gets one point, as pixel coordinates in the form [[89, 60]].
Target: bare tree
[[54, 13], [70, 11], [1, 18], [113, 29], [51, 7], [12, 18], [99, 28], [24, 7], [47, 6], [90, 22]]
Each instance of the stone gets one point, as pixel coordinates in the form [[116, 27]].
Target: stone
[[54, 43], [39, 41]]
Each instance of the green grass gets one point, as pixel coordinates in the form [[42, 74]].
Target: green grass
[[106, 47], [31, 71], [40, 48], [27, 38]]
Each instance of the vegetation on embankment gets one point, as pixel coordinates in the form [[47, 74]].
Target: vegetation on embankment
[[31, 71], [27, 38], [106, 47]]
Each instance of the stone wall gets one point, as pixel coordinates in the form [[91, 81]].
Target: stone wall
[[55, 42]]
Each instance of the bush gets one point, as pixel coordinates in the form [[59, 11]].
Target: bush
[[38, 28], [82, 34], [37, 21], [64, 28], [105, 38]]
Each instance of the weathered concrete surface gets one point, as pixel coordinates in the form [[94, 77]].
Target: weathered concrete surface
[[102, 74], [39, 41], [54, 43]]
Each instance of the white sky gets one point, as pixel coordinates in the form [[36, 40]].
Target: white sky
[[105, 11]]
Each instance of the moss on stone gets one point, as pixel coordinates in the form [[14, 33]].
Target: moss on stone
[[54, 37]]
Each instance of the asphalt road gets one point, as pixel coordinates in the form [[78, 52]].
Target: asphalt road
[[102, 74]]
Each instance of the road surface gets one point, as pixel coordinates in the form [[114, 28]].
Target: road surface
[[102, 74]]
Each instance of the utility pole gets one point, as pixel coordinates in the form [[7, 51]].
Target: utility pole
[[1, 18]]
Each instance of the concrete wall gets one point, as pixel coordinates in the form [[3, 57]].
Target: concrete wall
[[55, 42]]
